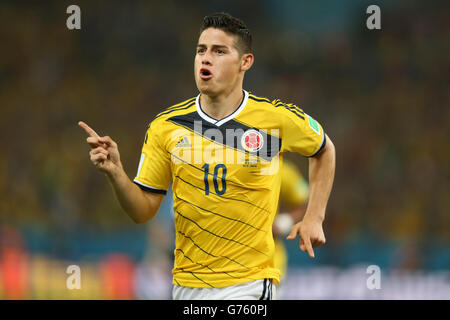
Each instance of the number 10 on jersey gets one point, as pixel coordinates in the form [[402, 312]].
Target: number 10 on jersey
[[220, 167]]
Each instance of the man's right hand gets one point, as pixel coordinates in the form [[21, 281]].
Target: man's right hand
[[141, 206], [104, 151]]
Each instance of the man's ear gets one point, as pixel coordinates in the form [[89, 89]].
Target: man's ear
[[247, 61]]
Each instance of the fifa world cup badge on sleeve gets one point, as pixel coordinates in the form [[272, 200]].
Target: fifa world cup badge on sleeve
[[313, 125]]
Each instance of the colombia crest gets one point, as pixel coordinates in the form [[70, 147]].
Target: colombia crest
[[252, 140]]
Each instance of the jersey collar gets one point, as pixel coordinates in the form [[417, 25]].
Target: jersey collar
[[218, 123]]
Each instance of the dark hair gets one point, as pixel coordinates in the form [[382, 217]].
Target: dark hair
[[231, 25]]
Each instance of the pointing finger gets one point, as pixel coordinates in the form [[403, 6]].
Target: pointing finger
[[308, 246], [88, 129]]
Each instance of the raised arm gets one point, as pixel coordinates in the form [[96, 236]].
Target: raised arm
[[138, 204]]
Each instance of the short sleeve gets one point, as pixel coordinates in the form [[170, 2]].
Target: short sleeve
[[154, 170], [301, 132]]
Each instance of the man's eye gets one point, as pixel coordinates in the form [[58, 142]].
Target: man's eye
[[200, 50], [220, 51]]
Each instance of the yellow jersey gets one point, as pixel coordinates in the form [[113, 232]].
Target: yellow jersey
[[226, 182], [294, 191]]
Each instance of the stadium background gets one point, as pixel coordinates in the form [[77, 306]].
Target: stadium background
[[382, 96]]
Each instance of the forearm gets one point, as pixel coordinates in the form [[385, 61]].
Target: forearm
[[321, 177], [131, 198]]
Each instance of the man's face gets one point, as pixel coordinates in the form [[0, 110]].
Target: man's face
[[217, 66]]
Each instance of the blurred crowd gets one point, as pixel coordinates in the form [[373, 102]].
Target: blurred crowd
[[382, 96]]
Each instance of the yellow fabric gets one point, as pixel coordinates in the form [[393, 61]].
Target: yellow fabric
[[294, 187], [294, 191], [223, 211], [280, 257]]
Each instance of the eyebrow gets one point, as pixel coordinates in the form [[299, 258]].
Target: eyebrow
[[214, 46]]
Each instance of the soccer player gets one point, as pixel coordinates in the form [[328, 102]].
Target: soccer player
[[222, 150]]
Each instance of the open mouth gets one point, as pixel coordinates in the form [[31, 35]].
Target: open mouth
[[205, 74]]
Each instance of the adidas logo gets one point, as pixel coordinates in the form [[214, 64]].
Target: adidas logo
[[183, 143]]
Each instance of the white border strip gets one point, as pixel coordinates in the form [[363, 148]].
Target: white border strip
[[236, 112], [201, 113], [140, 164], [218, 123], [146, 185]]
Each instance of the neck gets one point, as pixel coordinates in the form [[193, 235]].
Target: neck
[[221, 106]]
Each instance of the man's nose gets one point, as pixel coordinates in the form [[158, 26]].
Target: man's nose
[[206, 58]]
